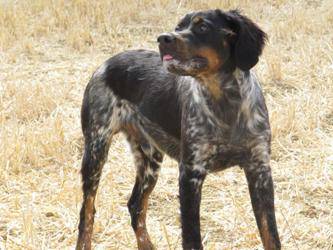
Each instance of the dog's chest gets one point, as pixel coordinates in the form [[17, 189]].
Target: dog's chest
[[205, 119]]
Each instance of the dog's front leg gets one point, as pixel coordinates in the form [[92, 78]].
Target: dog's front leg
[[190, 184], [260, 184]]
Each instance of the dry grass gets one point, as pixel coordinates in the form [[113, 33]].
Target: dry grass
[[48, 50]]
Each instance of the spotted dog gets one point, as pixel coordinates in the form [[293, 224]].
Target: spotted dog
[[196, 101]]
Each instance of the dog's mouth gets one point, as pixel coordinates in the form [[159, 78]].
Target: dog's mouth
[[167, 57], [180, 66]]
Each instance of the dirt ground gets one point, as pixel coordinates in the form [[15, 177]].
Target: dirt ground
[[49, 50]]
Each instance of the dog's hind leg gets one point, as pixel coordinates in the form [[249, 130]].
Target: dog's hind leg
[[100, 121], [93, 160], [258, 174], [147, 160]]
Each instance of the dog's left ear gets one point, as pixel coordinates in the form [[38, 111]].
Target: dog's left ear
[[249, 42]]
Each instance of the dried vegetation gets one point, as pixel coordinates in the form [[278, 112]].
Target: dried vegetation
[[48, 51]]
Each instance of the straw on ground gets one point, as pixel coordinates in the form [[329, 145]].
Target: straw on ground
[[48, 51]]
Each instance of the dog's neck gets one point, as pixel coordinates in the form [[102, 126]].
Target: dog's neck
[[221, 82]]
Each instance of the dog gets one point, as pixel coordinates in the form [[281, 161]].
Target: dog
[[196, 101]]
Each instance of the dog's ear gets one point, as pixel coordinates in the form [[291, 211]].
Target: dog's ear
[[249, 40]]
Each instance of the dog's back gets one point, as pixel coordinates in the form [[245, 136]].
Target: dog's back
[[139, 77]]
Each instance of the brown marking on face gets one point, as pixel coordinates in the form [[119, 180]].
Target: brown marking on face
[[197, 19], [214, 59], [209, 76], [266, 236]]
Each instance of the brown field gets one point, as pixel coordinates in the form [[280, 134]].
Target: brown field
[[48, 51]]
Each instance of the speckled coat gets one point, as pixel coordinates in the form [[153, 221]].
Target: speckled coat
[[196, 101]]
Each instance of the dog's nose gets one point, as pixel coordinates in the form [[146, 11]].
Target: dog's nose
[[166, 38]]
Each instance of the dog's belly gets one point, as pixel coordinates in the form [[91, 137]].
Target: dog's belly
[[226, 155], [163, 110], [156, 133]]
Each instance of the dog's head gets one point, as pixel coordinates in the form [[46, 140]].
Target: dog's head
[[210, 41]]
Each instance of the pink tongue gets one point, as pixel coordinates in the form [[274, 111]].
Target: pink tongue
[[167, 57]]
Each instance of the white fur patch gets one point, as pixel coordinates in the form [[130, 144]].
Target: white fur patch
[[195, 92]]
